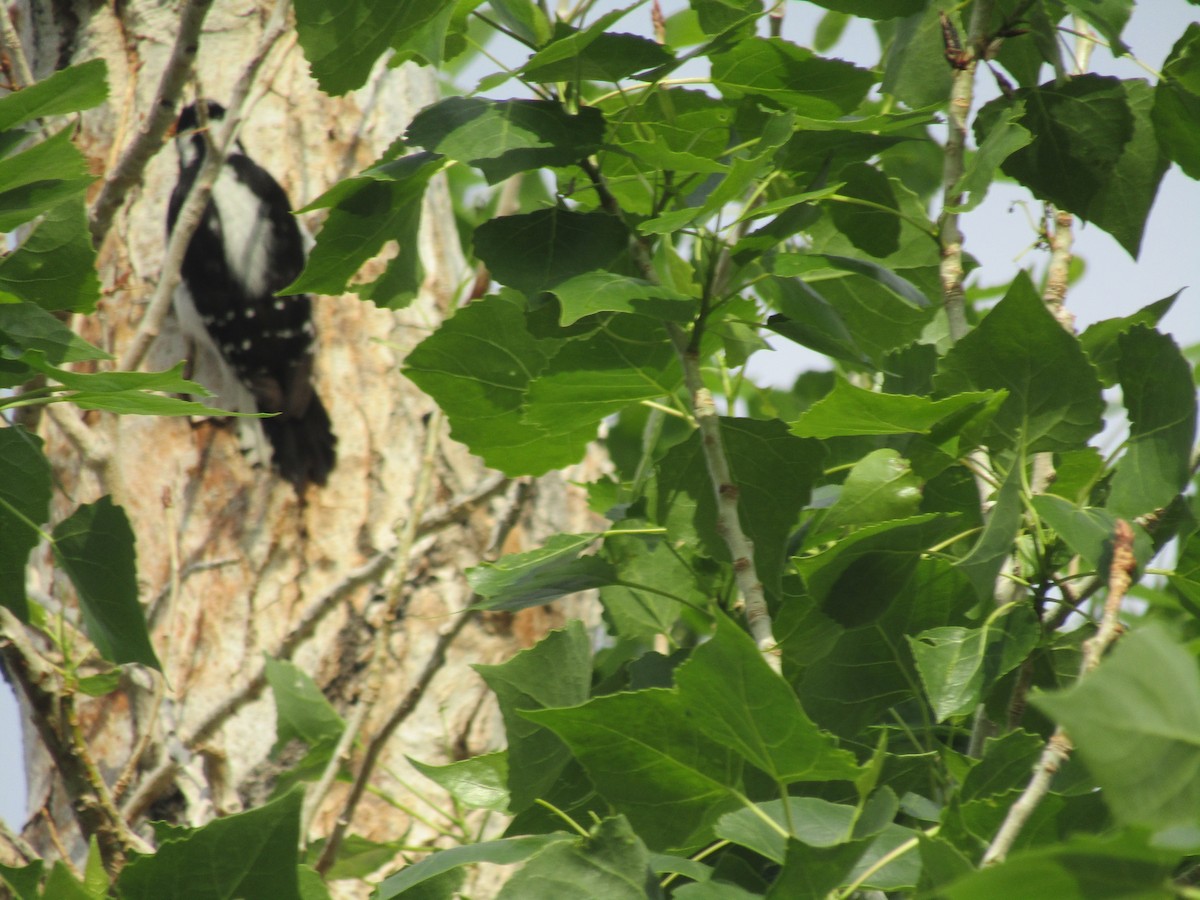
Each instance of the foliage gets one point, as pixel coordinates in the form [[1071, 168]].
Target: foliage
[[924, 578]]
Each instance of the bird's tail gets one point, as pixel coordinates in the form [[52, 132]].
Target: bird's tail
[[304, 445]]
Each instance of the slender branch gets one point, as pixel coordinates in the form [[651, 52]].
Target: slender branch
[[1058, 748], [961, 96], [406, 536], [128, 171], [729, 525], [402, 710], [193, 207], [53, 714], [10, 42]]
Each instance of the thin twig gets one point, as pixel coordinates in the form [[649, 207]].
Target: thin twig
[[1058, 748], [406, 536], [193, 207], [10, 42], [128, 171], [961, 96]]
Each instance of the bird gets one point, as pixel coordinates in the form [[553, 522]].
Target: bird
[[247, 247]]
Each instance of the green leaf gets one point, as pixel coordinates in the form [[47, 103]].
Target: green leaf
[[342, 39], [504, 852], [595, 55], [1083, 867], [611, 862], [1054, 400], [1158, 391], [732, 696], [873, 230], [480, 782], [1109, 17], [1149, 768], [36, 180], [536, 757], [1099, 340], [100, 685], [95, 547], [538, 251], [1176, 113], [1094, 150], [534, 578], [861, 672], [1088, 531], [792, 77], [25, 326], [55, 266], [995, 544], [251, 855], [504, 137], [301, 710], [628, 360], [68, 90], [856, 579], [811, 321], [365, 214], [596, 292], [646, 758], [23, 881], [656, 579], [356, 857], [24, 507], [914, 67], [850, 410], [958, 664], [880, 486], [810, 820], [1004, 138], [478, 366]]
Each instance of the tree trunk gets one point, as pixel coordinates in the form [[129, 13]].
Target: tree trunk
[[231, 562]]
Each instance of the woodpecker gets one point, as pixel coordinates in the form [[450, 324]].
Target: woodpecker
[[248, 246]]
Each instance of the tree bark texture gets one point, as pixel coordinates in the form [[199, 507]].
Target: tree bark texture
[[230, 560]]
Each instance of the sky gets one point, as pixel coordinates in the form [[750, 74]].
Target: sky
[[997, 234]]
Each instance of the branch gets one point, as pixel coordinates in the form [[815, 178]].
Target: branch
[[197, 199], [373, 682], [1058, 748], [53, 714], [128, 171], [729, 524], [961, 96]]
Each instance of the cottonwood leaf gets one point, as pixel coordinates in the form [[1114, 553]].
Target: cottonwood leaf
[[55, 266], [1054, 400], [504, 137], [24, 506], [503, 852], [1158, 392], [536, 577], [1099, 340], [790, 76], [850, 410], [480, 782], [95, 547], [68, 90], [597, 292], [1176, 113], [881, 486], [611, 862], [1149, 768], [732, 696], [252, 855], [557, 671], [647, 759]]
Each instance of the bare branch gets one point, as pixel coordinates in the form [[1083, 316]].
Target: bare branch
[[128, 171], [1058, 748]]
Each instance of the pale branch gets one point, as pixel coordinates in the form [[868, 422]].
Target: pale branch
[[729, 525], [962, 93], [10, 43], [406, 536], [1058, 748], [161, 778], [194, 205], [18, 845], [131, 166], [374, 750]]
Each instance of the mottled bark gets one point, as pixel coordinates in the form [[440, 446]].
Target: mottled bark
[[229, 559]]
